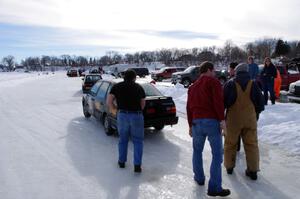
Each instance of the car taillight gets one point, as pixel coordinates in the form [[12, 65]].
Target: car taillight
[[150, 110], [171, 109]]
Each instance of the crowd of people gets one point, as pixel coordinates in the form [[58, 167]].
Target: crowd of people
[[213, 111], [233, 109]]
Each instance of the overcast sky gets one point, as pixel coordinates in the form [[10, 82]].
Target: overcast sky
[[92, 27]]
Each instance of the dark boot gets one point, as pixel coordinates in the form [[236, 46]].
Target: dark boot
[[121, 164], [223, 193], [229, 171], [251, 174], [137, 168]]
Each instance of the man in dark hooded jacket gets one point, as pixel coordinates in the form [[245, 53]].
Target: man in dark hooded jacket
[[243, 101]]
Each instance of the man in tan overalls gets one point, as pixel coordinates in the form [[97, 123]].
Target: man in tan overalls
[[243, 101]]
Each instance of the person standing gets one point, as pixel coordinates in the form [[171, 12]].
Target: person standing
[[231, 70], [268, 74], [205, 112], [253, 68], [243, 102], [130, 98]]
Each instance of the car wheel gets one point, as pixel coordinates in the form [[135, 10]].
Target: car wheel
[[86, 110], [159, 127], [159, 79], [186, 83], [107, 128]]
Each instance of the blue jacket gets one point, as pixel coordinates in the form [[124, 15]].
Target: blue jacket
[[230, 93], [253, 71]]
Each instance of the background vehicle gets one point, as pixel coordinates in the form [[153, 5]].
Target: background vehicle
[[140, 71], [72, 73], [94, 71], [165, 73], [191, 74], [81, 72], [294, 91], [89, 81], [158, 112], [289, 73]]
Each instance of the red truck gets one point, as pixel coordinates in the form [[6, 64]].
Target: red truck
[[165, 73], [289, 74]]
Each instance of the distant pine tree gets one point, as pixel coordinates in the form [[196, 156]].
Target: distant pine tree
[[282, 48]]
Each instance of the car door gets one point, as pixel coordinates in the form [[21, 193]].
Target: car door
[[174, 70], [284, 77], [92, 96], [100, 99], [169, 72], [293, 73]]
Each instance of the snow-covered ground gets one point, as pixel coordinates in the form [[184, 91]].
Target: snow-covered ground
[[49, 150]]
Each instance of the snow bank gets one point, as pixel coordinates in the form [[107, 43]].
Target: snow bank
[[280, 125], [177, 92]]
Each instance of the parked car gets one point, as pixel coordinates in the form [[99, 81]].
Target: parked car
[[89, 81], [158, 112], [294, 91], [191, 74], [140, 71], [165, 73], [94, 71], [72, 73]]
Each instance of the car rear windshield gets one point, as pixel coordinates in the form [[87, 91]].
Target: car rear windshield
[[151, 90], [92, 78]]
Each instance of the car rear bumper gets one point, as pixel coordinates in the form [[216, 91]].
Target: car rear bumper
[[293, 97], [158, 121], [150, 122]]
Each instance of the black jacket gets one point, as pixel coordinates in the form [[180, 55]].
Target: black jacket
[[269, 73], [230, 93]]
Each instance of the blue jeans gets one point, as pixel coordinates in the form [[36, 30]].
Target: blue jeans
[[201, 129], [131, 125], [269, 86]]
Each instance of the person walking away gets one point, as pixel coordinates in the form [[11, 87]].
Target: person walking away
[[130, 98], [205, 112], [277, 84], [253, 68], [243, 103], [268, 74]]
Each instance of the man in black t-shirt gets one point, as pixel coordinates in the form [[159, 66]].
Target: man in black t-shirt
[[130, 98]]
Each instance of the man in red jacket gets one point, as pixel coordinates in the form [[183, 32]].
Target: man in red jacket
[[205, 111]]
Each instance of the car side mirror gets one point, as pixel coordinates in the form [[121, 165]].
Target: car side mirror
[[82, 78]]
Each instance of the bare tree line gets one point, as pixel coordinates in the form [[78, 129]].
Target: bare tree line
[[261, 48]]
